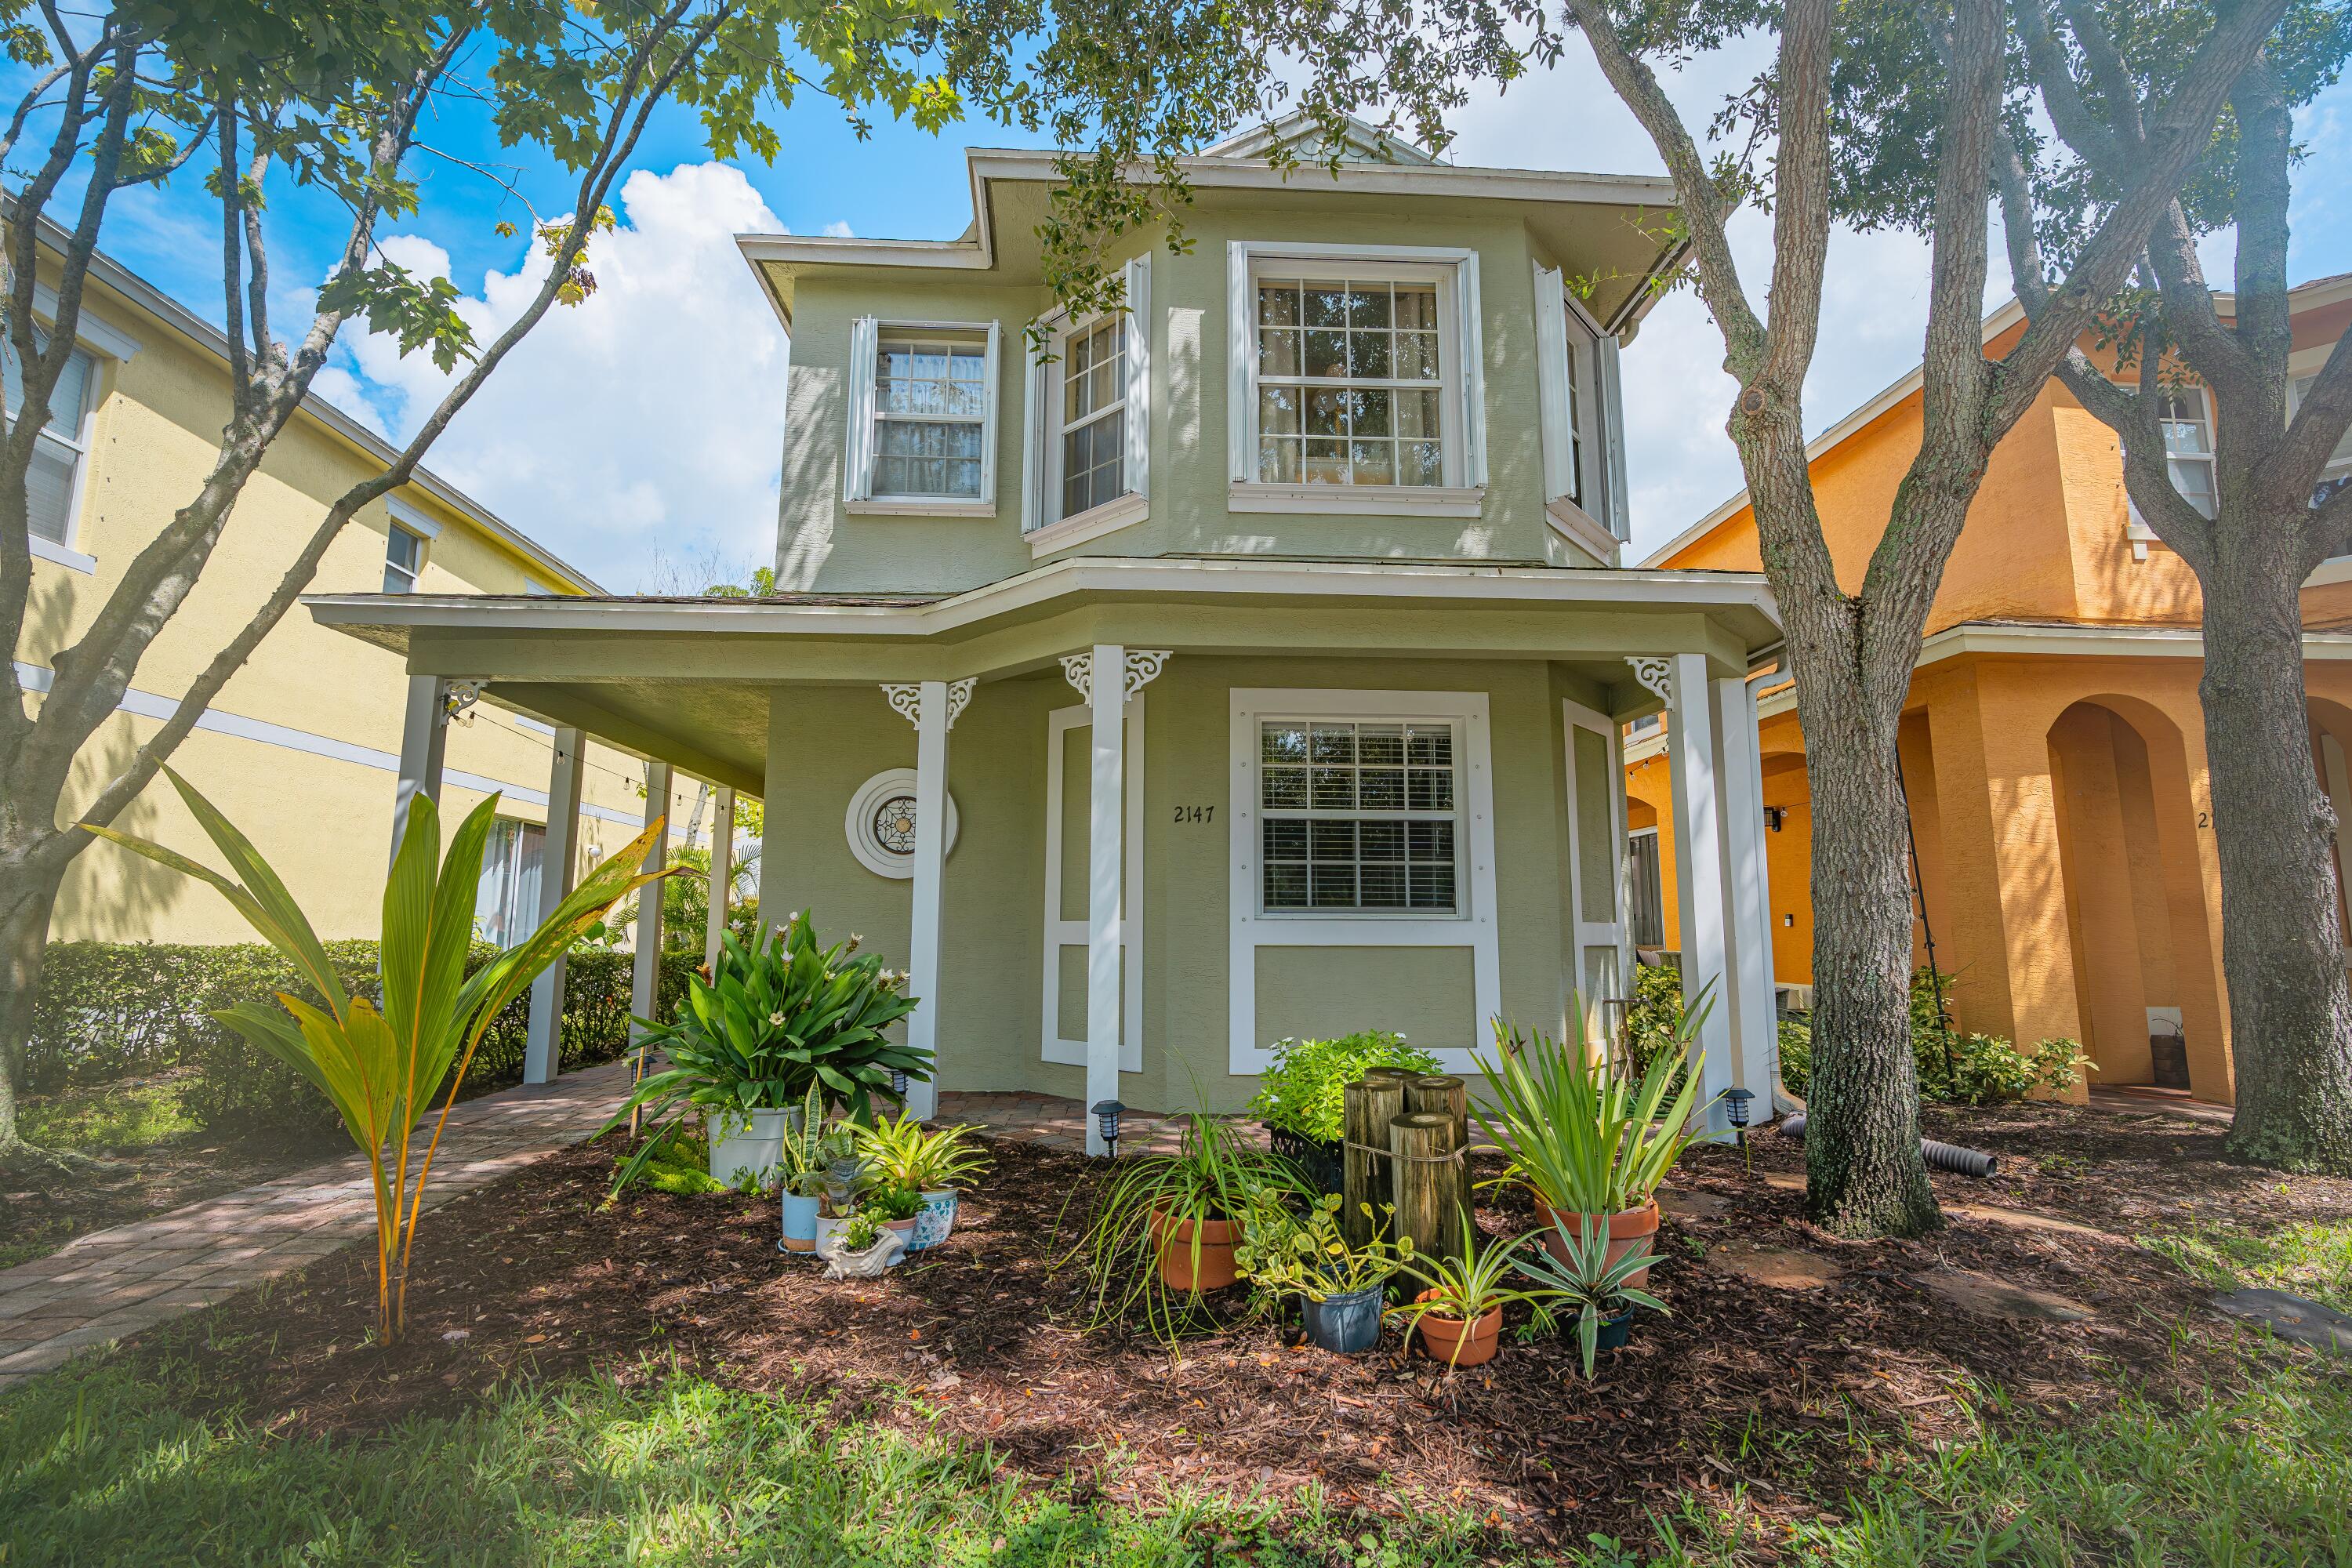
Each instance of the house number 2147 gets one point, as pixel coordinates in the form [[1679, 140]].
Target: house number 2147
[[1196, 814]]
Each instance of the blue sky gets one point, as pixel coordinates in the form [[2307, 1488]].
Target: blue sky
[[639, 435]]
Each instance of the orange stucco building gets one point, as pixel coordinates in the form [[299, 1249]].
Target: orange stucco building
[[2053, 746]]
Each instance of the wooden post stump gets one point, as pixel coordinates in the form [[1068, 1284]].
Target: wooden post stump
[[1447, 1095], [1367, 1109], [1427, 1175]]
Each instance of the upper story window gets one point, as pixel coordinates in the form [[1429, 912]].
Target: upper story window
[[922, 417], [1355, 380], [1576, 364], [2338, 474], [1350, 381], [404, 560], [1088, 454], [52, 481], [2189, 446]]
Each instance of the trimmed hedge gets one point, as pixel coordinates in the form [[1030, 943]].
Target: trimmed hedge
[[111, 1010]]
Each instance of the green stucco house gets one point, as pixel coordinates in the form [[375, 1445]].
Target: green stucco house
[[1252, 666]]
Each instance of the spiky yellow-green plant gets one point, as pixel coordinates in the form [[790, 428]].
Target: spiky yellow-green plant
[[380, 1063]]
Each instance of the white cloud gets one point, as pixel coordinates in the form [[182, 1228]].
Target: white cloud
[[648, 418], [839, 229]]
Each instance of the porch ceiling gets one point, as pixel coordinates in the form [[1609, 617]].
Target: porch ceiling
[[687, 681]]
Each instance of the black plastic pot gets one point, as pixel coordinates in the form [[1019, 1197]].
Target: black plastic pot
[[1321, 1161], [1616, 1331], [1348, 1324]]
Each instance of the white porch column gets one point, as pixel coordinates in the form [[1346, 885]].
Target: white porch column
[[1739, 806], [1702, 898], [557, 867], [934, 706], [1105, 856], [722, 876], [644, 974], [424, 740]]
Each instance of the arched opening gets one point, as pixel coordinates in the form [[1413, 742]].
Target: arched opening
[[2134, 914]]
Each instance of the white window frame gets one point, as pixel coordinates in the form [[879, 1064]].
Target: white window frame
[[1459, 813], [866, 335], [2339, 460], [105, 345], [1582, 420], [1461, 359], [1060, 933], [2135, 528], [1474, 927], [392, 533], [1041, 522]]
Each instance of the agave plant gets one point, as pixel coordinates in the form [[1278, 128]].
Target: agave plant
[[381, 1063], [1584, 1276], [770, 1022], [1584, 1135]]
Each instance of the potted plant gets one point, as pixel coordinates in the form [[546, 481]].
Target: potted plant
[[1460, 1314], [801, 1163], [1583, 1275], [771, 1021], [895, 1206], [1588, 1141], [1340, 1286], [936, 1164], [1300, 1098], [862, 1247], [1165, 1230]]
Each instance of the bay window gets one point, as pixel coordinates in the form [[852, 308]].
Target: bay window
[[1576, 387], [1085, 468]]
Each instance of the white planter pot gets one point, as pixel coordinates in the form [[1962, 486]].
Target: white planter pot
[[749, 1140]]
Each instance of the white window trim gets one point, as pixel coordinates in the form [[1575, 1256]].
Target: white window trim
[[1040, 450], [1616, 929], [857, 496], [1465, 455], [423, 553], [413, 518], [2136, 527], [104, 344], [1475, 928], [1573, 523], [1053, 1045], [1596, 522]]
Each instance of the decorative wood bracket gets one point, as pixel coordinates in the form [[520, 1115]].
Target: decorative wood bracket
[[1655, 673], [1143, 668], [908, 699], [457, 696]]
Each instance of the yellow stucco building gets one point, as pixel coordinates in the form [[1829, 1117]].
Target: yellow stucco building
[[2052, 745], [301, 749]]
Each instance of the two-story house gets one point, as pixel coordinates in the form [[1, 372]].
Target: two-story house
[[1248, 666], [2054, 741]]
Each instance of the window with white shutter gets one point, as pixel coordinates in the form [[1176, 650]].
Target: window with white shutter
[[922, 417]]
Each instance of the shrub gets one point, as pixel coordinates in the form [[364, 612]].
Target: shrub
[[1303, 1091], [111, 1010]]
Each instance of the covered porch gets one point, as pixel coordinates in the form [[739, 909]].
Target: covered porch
[[1086, 899]]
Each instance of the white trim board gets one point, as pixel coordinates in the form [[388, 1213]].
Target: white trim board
[[1060, 933], [149, 705], [1475, 928]]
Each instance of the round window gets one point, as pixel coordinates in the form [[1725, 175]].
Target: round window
[[881, 823]]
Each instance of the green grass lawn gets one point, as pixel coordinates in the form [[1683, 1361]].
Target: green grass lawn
[[2314, 1260], [102, 1464], [107, 1117]]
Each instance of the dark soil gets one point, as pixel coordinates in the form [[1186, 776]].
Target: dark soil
[[40, 1211], [980, 1340]]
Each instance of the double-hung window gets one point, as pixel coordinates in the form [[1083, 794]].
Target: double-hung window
[[1355, 380], [62, 444], [1576, 388], [2338, 474], [1088, 421], [404, 560], [1360, 817], [2189, 446], [922, 417]]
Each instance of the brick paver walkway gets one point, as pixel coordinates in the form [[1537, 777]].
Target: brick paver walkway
[[112, 1283], [1056, 1121]]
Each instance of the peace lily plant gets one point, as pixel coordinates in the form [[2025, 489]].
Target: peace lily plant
[[380, 1063]]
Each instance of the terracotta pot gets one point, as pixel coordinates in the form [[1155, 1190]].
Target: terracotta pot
[[1634, 1228], [1178, 1271], [1439, 1334], [902, 1228]]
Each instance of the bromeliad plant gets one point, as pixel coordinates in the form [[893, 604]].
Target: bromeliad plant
[[1584, 1136], [1581, 1276], [380, 1062], [771, 1022], [924, 1162]]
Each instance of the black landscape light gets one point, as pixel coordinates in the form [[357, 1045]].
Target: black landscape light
[[1106, 1114]]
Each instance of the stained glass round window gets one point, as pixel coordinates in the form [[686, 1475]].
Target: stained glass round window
[[894, 825]]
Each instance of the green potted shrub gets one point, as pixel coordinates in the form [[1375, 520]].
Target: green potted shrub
[[1288, 1252], [936, 1164], [1598, 1288], [1459, 1315], [1300, 1097], [771, 1021], [1165, 1231], [1588, 1140], [862, 1247], [895, 1207]]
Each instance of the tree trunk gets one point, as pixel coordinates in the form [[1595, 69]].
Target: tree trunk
[[2282, 942], [1864, 1173], [29, 892]]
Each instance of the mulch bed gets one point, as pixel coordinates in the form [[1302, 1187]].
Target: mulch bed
[[980, 1341]]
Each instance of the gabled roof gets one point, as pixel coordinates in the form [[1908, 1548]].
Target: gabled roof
[[1361, 143]]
